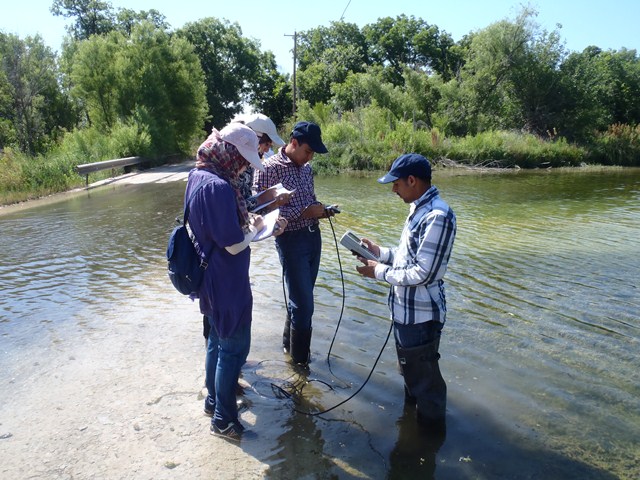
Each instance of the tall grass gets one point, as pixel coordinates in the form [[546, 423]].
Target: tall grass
[[372, 139], [513, 149], [619, 145], [23, 177]]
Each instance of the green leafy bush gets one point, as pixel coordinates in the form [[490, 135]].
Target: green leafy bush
[[619, 145]]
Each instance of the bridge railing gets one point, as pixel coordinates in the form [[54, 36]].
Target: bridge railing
[[127, 162]]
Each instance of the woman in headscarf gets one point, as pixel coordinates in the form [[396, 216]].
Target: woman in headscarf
[[222, 229]]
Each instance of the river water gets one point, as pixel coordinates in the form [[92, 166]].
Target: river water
[[540, 349]]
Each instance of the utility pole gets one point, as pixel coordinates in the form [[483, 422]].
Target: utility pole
[[295, 61]]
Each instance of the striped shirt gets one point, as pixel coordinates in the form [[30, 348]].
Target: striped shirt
[[415, 269], [280, 169]]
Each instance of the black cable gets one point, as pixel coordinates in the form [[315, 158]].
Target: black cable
[[286, 394], [359, 389], [335, 240]]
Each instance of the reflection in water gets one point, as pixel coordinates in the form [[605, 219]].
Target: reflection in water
[[542, 325], [312, 444], [299, 451], [415, 452]]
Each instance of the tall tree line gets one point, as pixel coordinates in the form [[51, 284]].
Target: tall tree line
[[510, 75], [126, 67]]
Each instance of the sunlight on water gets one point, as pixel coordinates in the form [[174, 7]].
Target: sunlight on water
[[542, 296]]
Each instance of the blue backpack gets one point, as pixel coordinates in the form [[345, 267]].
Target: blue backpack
[[186, 267]]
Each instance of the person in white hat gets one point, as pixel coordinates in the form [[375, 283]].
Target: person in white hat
[[265, 129], [267, 138], [222, 229]]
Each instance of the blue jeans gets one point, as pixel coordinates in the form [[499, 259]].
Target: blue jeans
[[225, 358], [299, 252]]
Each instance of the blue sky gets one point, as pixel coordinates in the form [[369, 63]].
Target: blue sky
[[608, 25]]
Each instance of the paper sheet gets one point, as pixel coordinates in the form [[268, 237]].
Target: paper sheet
[[269, 223]]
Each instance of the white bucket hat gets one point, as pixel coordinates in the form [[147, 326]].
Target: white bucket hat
[[261, 124], [245, 140]]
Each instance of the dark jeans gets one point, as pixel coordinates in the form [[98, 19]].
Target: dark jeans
[[299, 253], [417, 334]]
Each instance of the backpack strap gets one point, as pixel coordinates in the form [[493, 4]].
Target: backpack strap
[[193, 194], [203, 261]]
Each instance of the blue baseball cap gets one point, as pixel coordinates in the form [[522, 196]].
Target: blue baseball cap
[[408, 164], [309, 133]]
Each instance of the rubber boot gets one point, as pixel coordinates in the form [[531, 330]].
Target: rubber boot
[[286, 335], [423, 381], [300, 346]]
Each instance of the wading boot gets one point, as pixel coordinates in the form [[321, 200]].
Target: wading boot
[[423, 381], [286, 335], [300, 346]]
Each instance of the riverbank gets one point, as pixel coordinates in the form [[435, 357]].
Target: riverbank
[[178, 171], [23, 177], [165, 173]]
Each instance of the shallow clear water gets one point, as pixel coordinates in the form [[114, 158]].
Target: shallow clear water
[[539, 350]]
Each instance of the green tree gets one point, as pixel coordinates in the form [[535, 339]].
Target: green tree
[[510, 79], [270, 90], [150, 77], [415, 100], [400, 42], [126, 19], [164, 86], [31, 105], [601, 88], [92, 17], [97, 79], [325, 56], [332, 68], [536, 85], [313, 43], [230, 63]]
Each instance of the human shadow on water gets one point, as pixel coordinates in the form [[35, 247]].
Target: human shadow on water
[[475, 443], [415, 452], [300, 450], [472, 444]]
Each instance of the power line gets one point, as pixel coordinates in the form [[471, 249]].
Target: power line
[[345, 9]]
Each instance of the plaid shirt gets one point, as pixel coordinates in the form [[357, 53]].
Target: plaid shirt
[[280, 169], [415, 269]]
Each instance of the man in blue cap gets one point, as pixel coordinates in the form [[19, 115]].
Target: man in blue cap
[[299, 247], [415, 270]]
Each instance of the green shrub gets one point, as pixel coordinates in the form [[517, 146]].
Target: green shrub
[[619, 145], [23, 177], [130, 140]]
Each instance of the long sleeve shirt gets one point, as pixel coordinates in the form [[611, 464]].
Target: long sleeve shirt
[[415, 268], [225, 293]]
